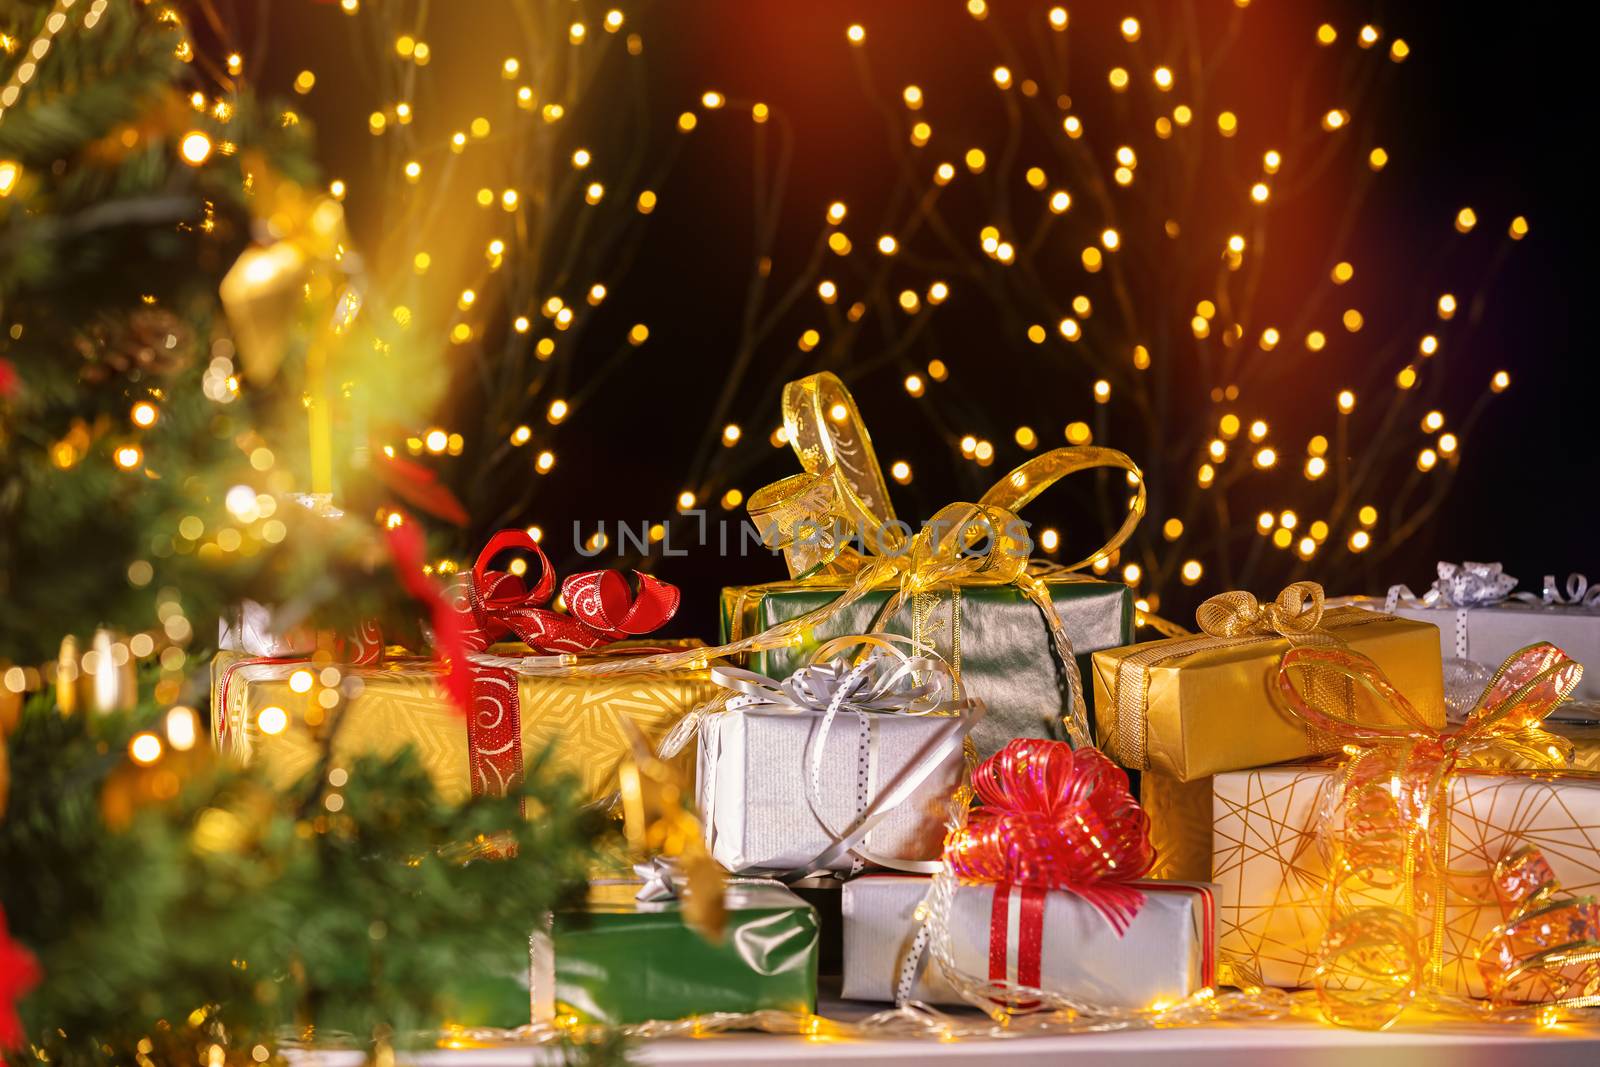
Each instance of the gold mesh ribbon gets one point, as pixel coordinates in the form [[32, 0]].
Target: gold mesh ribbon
[[1295, 613], [1385, 826], [841, 497]]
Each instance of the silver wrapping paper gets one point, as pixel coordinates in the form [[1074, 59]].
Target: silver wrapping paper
[[1495, 632], [752, 787], [994, 634], [1161, 958]]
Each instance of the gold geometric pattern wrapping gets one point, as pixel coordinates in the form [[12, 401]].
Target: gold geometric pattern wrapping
[[1272, 900], [386, 708]]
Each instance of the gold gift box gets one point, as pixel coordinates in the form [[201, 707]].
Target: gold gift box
[[1189, 707], [385, 708]]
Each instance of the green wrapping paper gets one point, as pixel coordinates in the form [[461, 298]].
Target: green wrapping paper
[[621, 961], [991, 634]]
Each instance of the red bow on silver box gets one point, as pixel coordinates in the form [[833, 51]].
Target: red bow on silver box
[[601, 606]]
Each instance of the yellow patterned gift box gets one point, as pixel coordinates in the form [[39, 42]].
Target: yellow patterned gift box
[[1182, 709], [277, 713], [1428, 861], [1272, 876]]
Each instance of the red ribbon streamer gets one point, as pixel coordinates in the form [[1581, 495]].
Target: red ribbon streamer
[[1054, 818], [601, 606], [450, 636], [1030, 934]]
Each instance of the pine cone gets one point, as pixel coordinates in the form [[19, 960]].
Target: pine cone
[[150, 341]]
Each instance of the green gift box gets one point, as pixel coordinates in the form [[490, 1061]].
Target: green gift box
[[994, 637], [620, 960]]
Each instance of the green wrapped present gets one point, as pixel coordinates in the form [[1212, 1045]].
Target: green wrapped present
[[620, 960], [994, 637], [1016, 629]]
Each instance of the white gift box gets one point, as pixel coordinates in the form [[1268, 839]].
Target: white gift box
[[1272, 875], [1049, 939], [753, 784]]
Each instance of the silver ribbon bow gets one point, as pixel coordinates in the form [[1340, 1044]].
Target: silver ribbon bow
[[660, 879], [664, 880], [1459, 585]]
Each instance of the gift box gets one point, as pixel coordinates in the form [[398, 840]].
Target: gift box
[[1482, 621], [1048, 939], [275, 712], [1585, 740], [1188, 707], [1272, 876], [994, 637], [753, 787], [1180, 826], [620, 960]]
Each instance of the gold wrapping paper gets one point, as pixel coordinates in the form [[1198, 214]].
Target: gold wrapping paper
[[1189, 707], [1180, 826], [1272, 874], [386, 708], [1585, 738]]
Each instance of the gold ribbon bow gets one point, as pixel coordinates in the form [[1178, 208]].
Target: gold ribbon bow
[[841, 497], [1386, 828], [1295, 613]]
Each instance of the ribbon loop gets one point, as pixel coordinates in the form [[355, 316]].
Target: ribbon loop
[[1547, 951], [602, 606], [1055, 818], [1579, 593], [1386, 826], [1296, 612]]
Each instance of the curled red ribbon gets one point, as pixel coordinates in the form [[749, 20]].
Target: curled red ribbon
[[1055, 818], [601, 607]]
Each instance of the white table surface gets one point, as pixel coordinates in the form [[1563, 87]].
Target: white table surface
[[1280, 1044]]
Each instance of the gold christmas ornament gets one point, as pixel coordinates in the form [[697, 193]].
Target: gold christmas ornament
[[262, 293], [297, 275]]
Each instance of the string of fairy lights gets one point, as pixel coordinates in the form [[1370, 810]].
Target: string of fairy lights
[[1104, 332], [523, 326], [1232, 447]]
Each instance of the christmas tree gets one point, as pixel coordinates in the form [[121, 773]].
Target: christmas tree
[[159, 905]]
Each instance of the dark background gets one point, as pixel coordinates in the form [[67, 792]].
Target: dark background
[[1491, 109]]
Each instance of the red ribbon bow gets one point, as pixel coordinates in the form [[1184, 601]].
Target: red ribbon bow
[[601, 606], [1054, 818]]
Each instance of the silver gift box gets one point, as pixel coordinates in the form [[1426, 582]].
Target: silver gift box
[[1495, 632], [1167, 953], [753, 784]]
